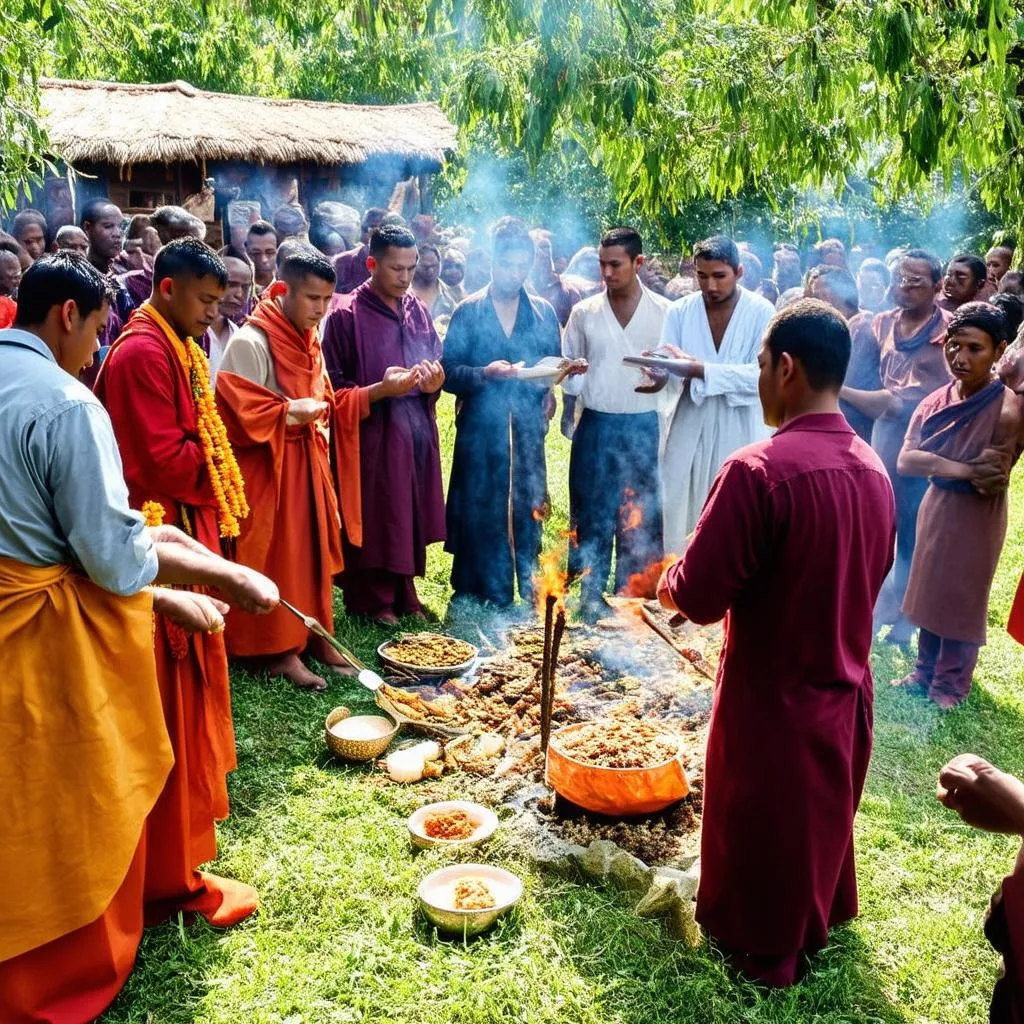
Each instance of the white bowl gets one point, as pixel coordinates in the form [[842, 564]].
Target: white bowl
[[485, 819], [437, 897]]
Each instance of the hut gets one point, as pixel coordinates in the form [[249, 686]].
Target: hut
[[232, 159]]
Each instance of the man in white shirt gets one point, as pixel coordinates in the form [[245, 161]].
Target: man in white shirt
[[233, 307], [613, 469], [712, 408]]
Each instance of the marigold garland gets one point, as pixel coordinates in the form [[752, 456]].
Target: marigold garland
[[153, 513], [225, 476]]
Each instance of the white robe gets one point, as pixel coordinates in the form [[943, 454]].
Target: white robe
[[704, 421]]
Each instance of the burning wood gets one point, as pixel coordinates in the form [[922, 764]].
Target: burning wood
[[551, 585], [645, 584]]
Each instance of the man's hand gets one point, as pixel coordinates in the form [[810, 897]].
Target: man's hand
[[304, 410], [982, 795], [249, 590], [501, 369], [398, 381], [575, 368], [431, 376], [172, 535], [195, 613], [989, 472]]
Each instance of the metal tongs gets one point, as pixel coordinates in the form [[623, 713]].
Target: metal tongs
[[657, 367], [367, 677]]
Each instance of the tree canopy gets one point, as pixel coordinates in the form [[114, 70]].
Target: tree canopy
[[674, 100]]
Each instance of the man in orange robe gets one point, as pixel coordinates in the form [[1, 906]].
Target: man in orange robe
[[288, 427], [155, 386], [86, 751]]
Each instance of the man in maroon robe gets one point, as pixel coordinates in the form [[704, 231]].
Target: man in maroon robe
[[792, 547], [378, 326], [350, 267]]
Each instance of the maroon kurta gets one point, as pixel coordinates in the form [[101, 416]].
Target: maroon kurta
[[792, 547], [351, 270], [403, 496], [960, 533]]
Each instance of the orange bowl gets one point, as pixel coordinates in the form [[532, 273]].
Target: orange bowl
[[617, 792]]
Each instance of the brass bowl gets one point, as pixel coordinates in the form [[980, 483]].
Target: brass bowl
[[359, 749], [436, 898]]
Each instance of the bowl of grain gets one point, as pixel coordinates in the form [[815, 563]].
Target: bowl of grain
[[466, 899], [358, 737], [429, 655], [451, 823]]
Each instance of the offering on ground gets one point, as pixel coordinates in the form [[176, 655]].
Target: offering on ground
[[473, 894], [619, 743], [430, 650], [450, 824]]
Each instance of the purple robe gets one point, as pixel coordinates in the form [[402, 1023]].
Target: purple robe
[[792, 547], [350, 266], [400, 455]]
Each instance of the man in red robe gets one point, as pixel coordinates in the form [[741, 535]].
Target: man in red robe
[[380, 327], [288, 427], [148, 383], [792, 547]]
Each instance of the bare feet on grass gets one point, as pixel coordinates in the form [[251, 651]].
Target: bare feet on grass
[[327, 655], [291, 667]]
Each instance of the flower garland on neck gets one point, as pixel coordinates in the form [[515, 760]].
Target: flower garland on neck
[[225, 476]]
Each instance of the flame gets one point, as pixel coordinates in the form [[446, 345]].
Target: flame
[[631, 515], [538, 515], [552, 579], [645, 584]]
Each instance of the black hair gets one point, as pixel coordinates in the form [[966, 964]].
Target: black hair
[[1009, 306], [234, 253], [717, 248], [372, 218], [25, 217], [430, 247], [830, 245], [975, 264], [874, 266], [306, 261], [55, 278], [817, 337], [137, 225], [188, 256], [389, 236], [262, 227], [842, 285], [510, 234], [454, 253], [8, 243], [628, 238], [93, 210], [924, 256], [750, 258]]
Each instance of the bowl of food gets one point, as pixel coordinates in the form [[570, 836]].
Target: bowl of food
[[430, 655], [466, 899], [451, 823], [358, 737], [618, 767]]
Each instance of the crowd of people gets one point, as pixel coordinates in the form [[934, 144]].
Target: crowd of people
[[260, 423]]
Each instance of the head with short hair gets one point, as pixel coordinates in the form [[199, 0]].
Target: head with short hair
[[837, 287], [172, 222], [976, 337], [261, 248], [290, 222], [767, 290], [189, 280], [371, 221], [1013, 309], [71, 239], [103, 222], [831, 253], [239, 288], [752, 269], [511, 256], [965, 274], [999, 258], [785, 266], [29, 228], [873, 284], [453, 267], [428, 265], [916, 280], [65, 300], [1013, 282], [620, 257], [803, 358], [10, 272], [309, 284], [718, 269], [392, 261]]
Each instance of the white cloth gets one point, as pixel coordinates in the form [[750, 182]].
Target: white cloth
[[595, 334], [704, 421], [218, 343]]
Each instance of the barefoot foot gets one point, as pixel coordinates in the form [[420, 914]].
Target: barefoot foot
[[289, 666]]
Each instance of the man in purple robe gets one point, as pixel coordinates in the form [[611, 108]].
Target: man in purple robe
[[350, 266], [381, 325], [791, 548]]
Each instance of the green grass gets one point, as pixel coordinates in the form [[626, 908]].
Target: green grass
[[338, 938]]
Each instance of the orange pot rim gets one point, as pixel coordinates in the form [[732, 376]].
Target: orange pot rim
[[677, 756]]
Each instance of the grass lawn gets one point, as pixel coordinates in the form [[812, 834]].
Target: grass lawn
[[338, 938]]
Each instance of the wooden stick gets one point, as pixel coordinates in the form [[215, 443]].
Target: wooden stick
[[665, 635], [545, 669], [548, 701]]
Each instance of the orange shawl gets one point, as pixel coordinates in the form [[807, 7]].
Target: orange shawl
[[86, 748]]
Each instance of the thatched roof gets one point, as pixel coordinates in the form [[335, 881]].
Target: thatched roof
[[109, 122]]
